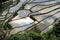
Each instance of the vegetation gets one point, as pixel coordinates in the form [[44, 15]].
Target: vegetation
[[3, 1], [33, 34], [57, 29], [30, 35], [53, 34]]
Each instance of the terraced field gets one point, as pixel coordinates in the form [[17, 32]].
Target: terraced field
[[31, 13]]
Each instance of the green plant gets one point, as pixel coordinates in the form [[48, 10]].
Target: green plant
[[30, 35], [52, 34]]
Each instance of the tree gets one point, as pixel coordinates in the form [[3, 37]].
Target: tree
[[53, 34], [1, 1], [57, 29], [0, 7], [33, 34]]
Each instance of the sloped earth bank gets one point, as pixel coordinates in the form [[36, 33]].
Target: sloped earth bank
[[33, 13]]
